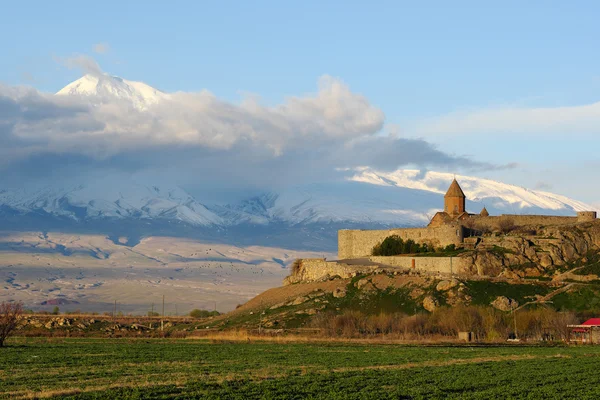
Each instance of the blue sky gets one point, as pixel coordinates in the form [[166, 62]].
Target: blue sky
[[421, 64]]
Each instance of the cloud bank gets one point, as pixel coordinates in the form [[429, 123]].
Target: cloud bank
[[101, 124]]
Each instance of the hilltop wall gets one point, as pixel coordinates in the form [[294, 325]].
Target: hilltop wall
[[444, 265], [314, 269], [544, 220], [360, 243]]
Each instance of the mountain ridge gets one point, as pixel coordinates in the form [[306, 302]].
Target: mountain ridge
[[355, 200]]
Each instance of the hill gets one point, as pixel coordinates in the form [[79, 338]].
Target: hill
[[515, 277]]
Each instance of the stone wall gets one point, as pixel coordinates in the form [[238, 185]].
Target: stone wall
[[314, 269], [586, 216], [360, 243], [444, 265], [545, 220]]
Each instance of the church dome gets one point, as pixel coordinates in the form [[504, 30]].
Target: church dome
[[454, 190]]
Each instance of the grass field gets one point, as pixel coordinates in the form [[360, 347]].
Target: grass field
[[173, 368]]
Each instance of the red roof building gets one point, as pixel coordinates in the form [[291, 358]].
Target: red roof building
[[586, 332], [592, 322]]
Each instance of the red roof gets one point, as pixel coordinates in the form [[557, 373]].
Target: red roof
[[592, 322]]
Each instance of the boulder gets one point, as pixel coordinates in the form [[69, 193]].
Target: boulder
[[503, 303], [365, 285], [430, 304], [277, 306], [545, 260], [445, 285], [339, 292], [310, 311], [362, 283], [299, 300]]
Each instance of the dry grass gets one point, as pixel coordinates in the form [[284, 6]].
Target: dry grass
[[247, 336]]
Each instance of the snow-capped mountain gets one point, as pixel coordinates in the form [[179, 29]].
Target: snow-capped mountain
[[400, 198], [109, 197], [305, 216], [494, 195], [106, 88]]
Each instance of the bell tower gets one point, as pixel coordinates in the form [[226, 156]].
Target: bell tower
[[454, 200]]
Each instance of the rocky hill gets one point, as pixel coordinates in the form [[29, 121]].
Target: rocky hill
[[527, 268]]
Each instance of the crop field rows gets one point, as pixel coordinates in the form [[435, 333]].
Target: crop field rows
[[174, 368]]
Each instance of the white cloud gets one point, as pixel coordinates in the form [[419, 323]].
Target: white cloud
[[201, 136], [84, 63], [113, 124]]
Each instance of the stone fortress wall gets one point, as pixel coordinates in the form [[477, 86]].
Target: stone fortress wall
[[443, 265], [518, 220], [315, 269], [360, 243]]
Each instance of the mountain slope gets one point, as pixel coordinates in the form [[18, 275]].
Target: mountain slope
[[111, 196], [498, 195], [401, 198]]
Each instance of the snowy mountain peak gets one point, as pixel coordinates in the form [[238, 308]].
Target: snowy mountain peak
[[105, 88], [501, 196]]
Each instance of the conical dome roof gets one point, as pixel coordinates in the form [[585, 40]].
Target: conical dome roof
[[484, 212], [454, 190]]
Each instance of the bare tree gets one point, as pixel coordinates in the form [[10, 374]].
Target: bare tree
[[10, 315], [506, 224]]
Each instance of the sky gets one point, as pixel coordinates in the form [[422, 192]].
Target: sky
[[507, 91]]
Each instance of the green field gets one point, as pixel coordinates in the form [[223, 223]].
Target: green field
[[173, 368]]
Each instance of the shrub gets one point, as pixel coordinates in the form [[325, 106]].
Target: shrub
[[196, 313], [296, 266], [449, 248], [10, 314], [55, 310], [506, 224], [469, 223], [483, 229], [153, 314], [486, 322], [395, 245]]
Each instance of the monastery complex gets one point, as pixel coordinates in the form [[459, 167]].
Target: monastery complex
[[451, 226], [472, 233]]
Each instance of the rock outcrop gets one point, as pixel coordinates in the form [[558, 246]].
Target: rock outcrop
[[525, 252], [503, 303]]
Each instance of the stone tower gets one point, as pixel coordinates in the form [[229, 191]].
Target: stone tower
[[454, 200]]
